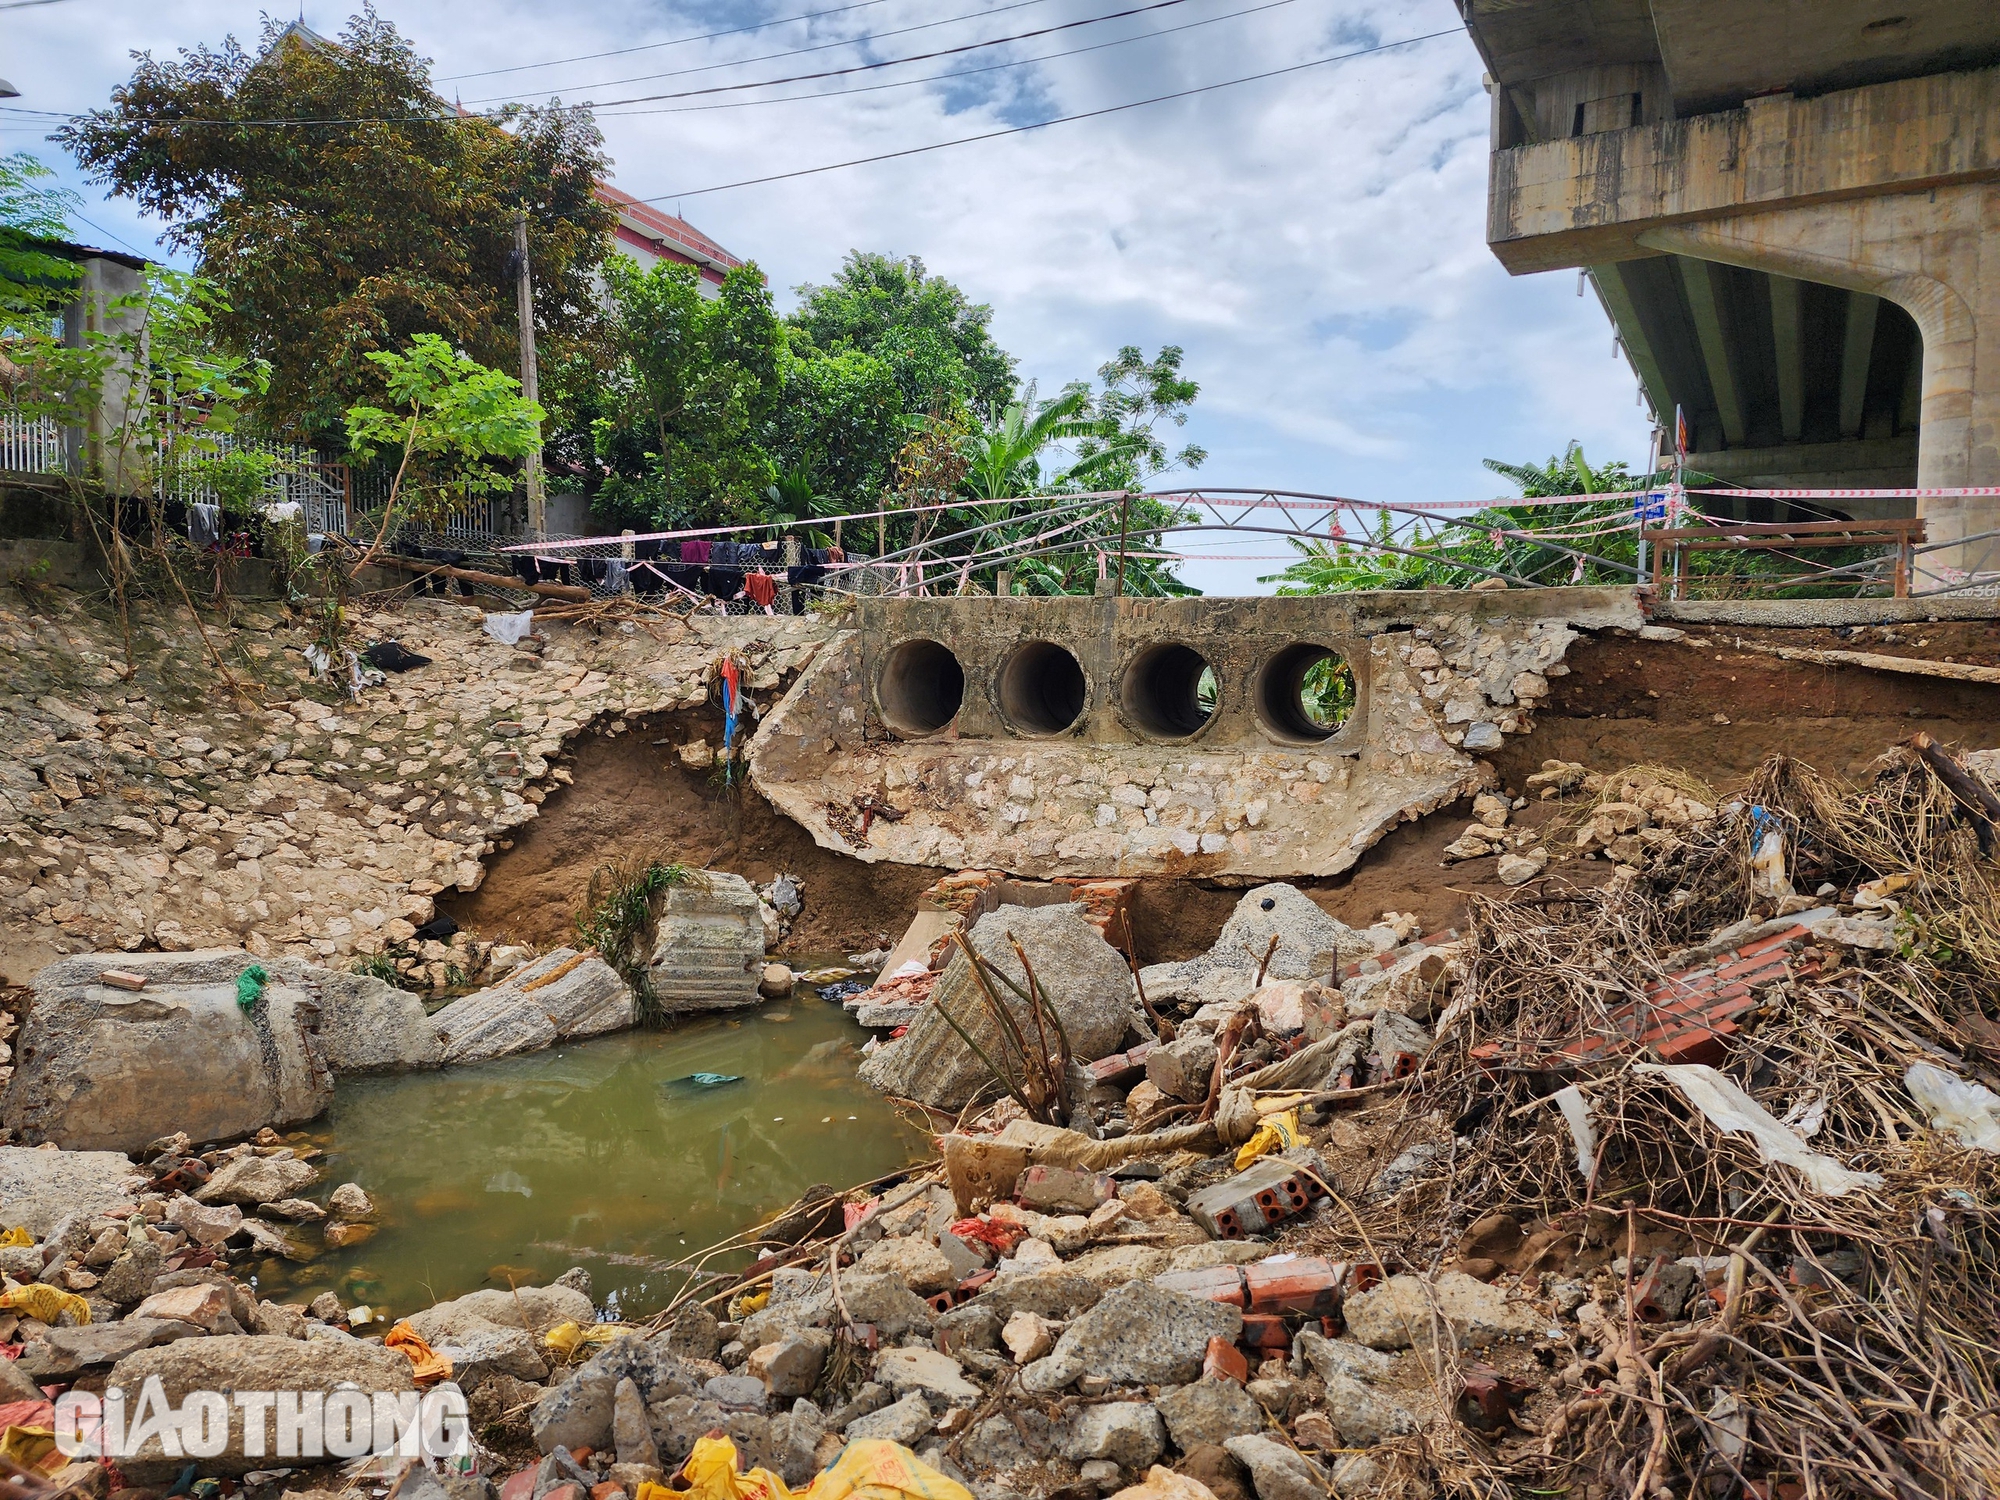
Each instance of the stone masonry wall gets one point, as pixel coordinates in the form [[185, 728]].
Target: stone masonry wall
[[164, 811]]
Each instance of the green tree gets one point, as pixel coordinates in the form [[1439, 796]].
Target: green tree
[[1005, 455], [377, 212], [34, 282], [935, 340], [694, 386], [840, 415], [454, 428], [1137, 394], [1491, 541]]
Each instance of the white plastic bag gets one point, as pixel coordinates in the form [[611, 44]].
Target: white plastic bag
[[1730, 1110], [1767, 868], [1968, 1111], [510, 630]]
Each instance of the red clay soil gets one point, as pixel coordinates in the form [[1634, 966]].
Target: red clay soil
[[631, 801], [1624, 702]]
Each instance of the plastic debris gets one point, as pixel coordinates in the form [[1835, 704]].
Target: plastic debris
[[1279, 1132], [567, 1337], [1734, 1112], [426, 1364], [45, 1303], [1576, 1114], [1970, 1112], [250, 986], [867, 1469], [509, 630]]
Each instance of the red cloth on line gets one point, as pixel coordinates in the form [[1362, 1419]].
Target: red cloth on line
[[761, 588]]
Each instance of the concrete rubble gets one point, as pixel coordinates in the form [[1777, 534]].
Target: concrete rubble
[[1322, 1210]]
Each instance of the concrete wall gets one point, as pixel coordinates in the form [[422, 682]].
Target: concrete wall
[[1580, 201], [991, 781]]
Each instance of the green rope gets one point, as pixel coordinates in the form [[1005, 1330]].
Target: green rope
[[249, 985]]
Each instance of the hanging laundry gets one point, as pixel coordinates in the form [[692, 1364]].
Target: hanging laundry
[[614, 575], [695, 551], [593, 569], [723, 583], [648, 580], [761, 588], [650, 550], [525, 569], [204, 526]]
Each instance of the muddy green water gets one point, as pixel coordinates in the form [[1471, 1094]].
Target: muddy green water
[[595, 1155]]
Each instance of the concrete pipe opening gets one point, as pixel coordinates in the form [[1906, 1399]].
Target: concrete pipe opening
[[1305, 693], [1168, 691], [1042, 688], [921, 688]]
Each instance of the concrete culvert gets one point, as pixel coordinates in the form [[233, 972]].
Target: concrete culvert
[[921, 687], [1168, 691], [1304, 693], [1042, 688]]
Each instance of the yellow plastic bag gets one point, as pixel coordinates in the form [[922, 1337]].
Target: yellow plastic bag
[[1279, 1132], [567, 1338], [869, 1469], [40, 1300], [16, 1236], [747, 1303], [32, 1448], [875, 1469]]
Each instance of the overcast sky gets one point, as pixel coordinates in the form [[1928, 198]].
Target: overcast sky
[[1313, 241]]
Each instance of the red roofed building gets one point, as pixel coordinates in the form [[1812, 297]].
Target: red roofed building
[[649, 236]]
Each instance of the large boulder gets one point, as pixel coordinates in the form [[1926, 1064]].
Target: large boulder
[[490, 1332], [248, 1362], [1311, 945], [555, 998], [39, 1189], [708, 950], [534, 1308], [257, 1179], [104, 1068], [579, 1412], [367, 1026], [1083, 977], [1140, 1334]]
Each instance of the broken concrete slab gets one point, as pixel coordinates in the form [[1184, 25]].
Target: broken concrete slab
[[39, 1189], [1083, 976], [708, 950], [101, 1067], [559, 996]]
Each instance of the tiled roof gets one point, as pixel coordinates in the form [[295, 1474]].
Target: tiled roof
[[675, 233]]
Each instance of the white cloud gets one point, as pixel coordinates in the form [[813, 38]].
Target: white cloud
[[1315, 241]]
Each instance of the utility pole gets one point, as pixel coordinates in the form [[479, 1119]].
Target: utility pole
[[524, 295]]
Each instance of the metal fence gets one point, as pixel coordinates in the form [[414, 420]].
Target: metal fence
[[29, 446]]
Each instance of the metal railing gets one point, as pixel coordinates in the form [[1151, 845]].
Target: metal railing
[[31, 445]]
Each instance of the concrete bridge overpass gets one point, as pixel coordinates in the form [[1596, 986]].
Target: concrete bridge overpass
[[1792, 214]]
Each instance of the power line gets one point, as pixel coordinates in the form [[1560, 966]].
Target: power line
[[894, 62], [903, 83], [853, 41], [691, 93], [1090, 114], [679, 41]]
